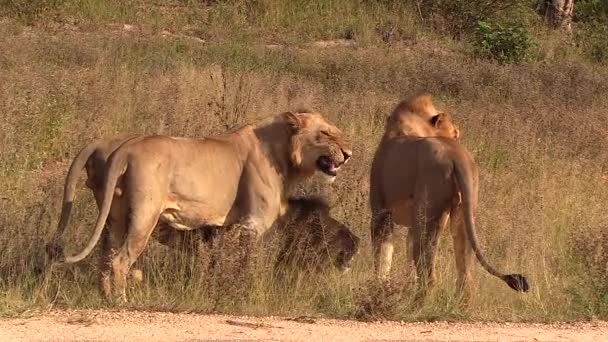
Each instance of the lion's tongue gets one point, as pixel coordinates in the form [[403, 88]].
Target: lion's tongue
[[333, 170]]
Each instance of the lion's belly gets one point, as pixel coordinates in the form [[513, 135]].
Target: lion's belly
[[190, 216], [180, 223]]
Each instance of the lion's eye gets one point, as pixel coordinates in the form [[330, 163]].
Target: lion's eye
[[325, 133]]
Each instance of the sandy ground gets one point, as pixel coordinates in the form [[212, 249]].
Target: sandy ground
[[95, 325]]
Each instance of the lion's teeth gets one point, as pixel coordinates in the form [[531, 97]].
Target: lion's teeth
[[328, 179]]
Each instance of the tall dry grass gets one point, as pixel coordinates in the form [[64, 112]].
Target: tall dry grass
[[537, 131]]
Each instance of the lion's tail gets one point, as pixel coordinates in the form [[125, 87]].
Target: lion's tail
[[55, 248], [117, 167], [465, 180]]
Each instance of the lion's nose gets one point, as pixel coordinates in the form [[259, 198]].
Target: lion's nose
[[346, 155]]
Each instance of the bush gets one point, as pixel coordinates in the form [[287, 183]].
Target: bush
[[592, 19], [591, 10], [28, 10], [599, 43], [504, 44], [592, 38], [459, 17]]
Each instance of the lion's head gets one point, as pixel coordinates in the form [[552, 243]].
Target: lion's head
[[317, 239], [418, 117], [343, 244], [316, 144]]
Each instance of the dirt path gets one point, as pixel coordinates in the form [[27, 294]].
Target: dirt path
[[158, 326]]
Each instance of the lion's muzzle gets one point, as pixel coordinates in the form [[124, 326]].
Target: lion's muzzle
[[346, 155], [330, 166], [326, 165]]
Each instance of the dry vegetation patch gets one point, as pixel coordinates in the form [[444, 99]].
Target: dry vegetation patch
[[537, 131]]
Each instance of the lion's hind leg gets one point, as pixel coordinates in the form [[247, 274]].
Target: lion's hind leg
[[382, 243], [111, 240], [105, 265], [425, 233], [463, 254], [145, 209], [139, 231]]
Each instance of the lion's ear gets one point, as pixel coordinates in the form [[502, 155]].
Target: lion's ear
[[292, 120], [436, 120]]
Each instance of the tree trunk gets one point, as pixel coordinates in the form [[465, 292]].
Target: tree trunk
[[557, 13]]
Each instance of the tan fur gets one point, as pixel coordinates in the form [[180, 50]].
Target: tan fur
[[93, 158], [296, 228], [417, 117], [421, 183], [413, 117], [239, 179]]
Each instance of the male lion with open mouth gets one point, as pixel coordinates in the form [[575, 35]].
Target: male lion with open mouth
[[239, 180]]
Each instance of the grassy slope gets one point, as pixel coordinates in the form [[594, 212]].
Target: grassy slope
[[72, 72]]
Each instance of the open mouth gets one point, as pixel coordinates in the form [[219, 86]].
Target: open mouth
[[342, 263], [343, 268], [327, 166]]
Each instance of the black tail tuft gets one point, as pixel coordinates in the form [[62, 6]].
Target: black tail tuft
[[517, 282], [55, 251]]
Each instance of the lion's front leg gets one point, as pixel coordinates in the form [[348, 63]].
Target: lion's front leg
[[232, 261], [247, 244]]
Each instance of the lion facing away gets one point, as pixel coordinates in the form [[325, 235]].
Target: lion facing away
[[418, 117], [238, 180], [420, 183]]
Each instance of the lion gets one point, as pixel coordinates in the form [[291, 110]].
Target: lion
[[310, 238], [421, 183], [307, 236], [418, 117], [305, 218], [239, 179]]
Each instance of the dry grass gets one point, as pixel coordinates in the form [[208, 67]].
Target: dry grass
[[538, 133]]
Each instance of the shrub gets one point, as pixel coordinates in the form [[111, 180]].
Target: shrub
[[460, 16], [28, 10], [504, 44], [590, 10], [592, 19], [595, 42]]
